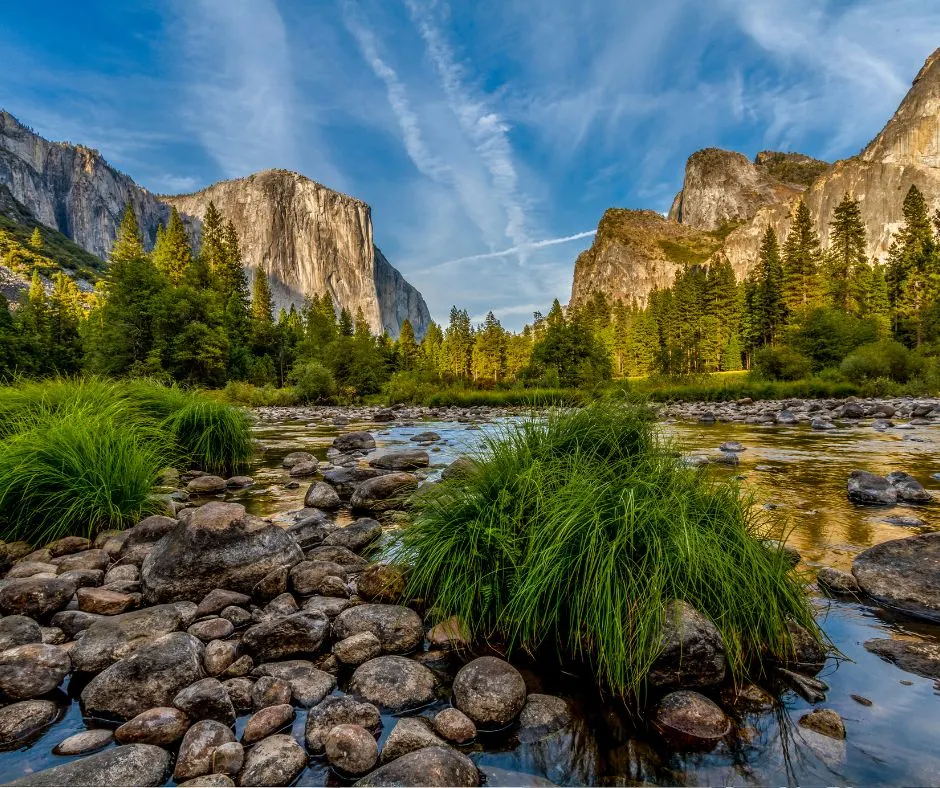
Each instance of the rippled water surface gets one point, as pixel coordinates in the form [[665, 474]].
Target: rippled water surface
[[799, 475]]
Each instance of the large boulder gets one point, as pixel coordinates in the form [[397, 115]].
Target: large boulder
[[132, 764], [430, 766], [32, 670], [36, 596], [219, 546], [18, 631], [868, 488], [111, 638], [692, 651], [276, 760], [490, 691], [920, 657], [405, 460], [301, 633], [383, 492], [150, 677], [393, 683], [398, 628], [903, 574]]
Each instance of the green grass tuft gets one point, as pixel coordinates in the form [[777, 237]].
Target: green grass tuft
[[575, 531]]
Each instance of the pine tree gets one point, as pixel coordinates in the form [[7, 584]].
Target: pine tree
[[65, 314], [878, 306], [489, 350], [458, 343], [801, 261], [846, 258], [129, 244], [35, 240], [406, 348], [262, 313], [770, 304], [172, 253], [912, 267], [345, 323], [212, 244]]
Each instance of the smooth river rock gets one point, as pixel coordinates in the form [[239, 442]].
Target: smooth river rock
[[383, 492], [20, 721], [431, 766], [32, 670], [490, 691], [393, 683], [692, 651], [298, 634], [903, 574], [276, 760], [132, 764], [351, 749], [398, 628], [687, 718], [338, 710]]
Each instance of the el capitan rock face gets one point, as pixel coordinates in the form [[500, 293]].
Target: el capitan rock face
[[307, 238], [636, 254]]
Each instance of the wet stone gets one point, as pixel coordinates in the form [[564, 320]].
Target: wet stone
[[206, 700], [270, 691], [393, 683], [84, 742], [276, 760], [824, 721], [211, 629], [162, 726], [455, 726], [351, 749], [32, 670], [357, 649], [199, 745], [228, 758], [690, 719], [104, 602], [431, 766], [267, 721], [338, 710], [20, 721], [132, 764], [408, 735], [490, 691]]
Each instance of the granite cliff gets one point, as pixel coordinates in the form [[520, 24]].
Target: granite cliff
[[728, 201], [305, 237]]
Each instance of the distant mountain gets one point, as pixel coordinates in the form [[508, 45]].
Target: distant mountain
[[727, 202], [305, 237]]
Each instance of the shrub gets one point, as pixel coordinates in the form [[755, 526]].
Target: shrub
[[409, 388], [575, 531], [781, 364], [313, 382], [211, 435], [75, 470], [887, 359], [826, 335]]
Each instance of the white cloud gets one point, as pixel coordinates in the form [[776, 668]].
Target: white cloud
[[517, 250]]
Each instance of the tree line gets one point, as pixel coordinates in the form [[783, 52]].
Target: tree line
[[193, 316]]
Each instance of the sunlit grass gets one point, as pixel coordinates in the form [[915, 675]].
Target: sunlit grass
[[574, 532]]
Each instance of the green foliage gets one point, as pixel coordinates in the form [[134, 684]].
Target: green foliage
[[827, 335], [781, 364], [575, 531], [886, 359], [313, 382], [213, 436]]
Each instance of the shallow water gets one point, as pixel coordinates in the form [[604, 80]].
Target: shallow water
[[893, 741]]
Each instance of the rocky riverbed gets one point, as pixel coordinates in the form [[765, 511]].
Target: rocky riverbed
[[249, 638]]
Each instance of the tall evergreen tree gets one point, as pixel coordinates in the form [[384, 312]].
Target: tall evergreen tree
[[800, 285], [912, 267], [770, 303], [172, 253], [407, 347], [846, 258], [262, 313], [489, 350], [35, 240]]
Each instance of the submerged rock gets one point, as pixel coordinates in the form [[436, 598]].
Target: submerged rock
[[868, 488], [687, 718], [132, 764], [824, 721], [393, 683], [903, 574], [351, 749], [919, 657], [490, 691], [276, 760]]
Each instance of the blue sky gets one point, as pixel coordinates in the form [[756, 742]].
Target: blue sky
[[483, 133]]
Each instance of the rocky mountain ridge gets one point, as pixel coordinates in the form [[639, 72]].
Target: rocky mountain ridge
[[306, 238], [731, 200]]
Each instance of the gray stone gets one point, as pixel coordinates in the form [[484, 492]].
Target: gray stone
[[351, 749], [903, 574], [218, 547], [824, 721], [309, 577], [162, 726], [36, 597], [206, 699], [908, 488], [20, 721], [220, 654], [32, 670], [338, 710], [381, 583], [354, 441], [18, 631], [308, 685], [338, 555], [431, 766], [218, 599], [398, 628], [206, 485], [404, 460], [806, 652], [209, 780], [150, 677], [303, 469], [199, 745], [122, 573], [239, 691], [276, 760], [393, 683], [132, 764], [357, 649], [462, 466], [95, 560], [301, 633], [84, 742], [425, 437], [109, 638], [297, 457], [868, 488], [689, 719], [211, 629], [237, 615], [346, 480], [356, 536], [53, 636], [920, 657], [268, 720], [228, 758], [542, 715], [383, 492], [490, 691], [321, 495], [272, 585], [270, 691], [837, 582], [408, 735], [455, 726], [692, 651]]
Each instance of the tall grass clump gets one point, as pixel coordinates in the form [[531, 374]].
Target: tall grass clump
[[74, 470], [212, 435], [577, 528]]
